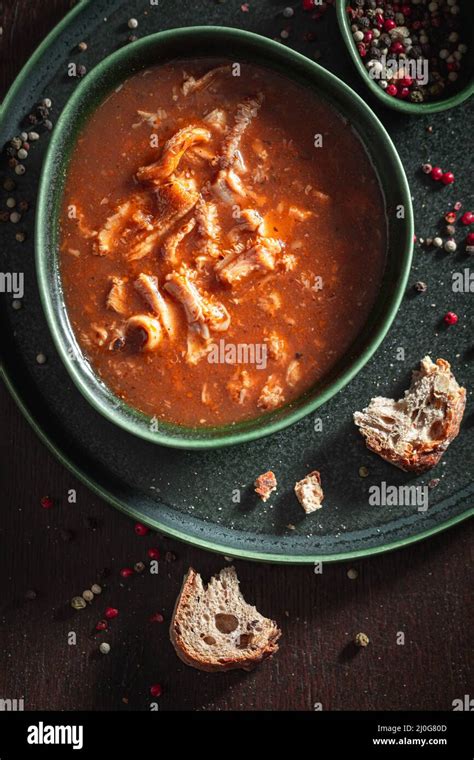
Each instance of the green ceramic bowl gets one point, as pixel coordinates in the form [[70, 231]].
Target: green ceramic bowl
[[236, 45], [463, 89]]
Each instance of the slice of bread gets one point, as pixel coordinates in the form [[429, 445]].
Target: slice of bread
[[214, 629], [414, 432]]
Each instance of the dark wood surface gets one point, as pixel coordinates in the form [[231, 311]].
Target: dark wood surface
[[423, 591]]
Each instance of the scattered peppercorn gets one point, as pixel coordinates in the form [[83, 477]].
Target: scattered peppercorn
[[104, 648], [156, 690], [447, 178], [467, 218], [126, 572], [96, 589], [450, 246], [46, 502], [132, 23], [450, 217], [139, 567], [363, 472], [437, 242], [102, 625], [433, 483], [436, 173], [450, 318], [141, 530], [153, 553], [81, 71], [420, 287], [88, 595], [157, 617], [427, 168], [8, 184], [78, 603], [352, 574], [82, 46], [31, 595], [111, 613], [361, 640]]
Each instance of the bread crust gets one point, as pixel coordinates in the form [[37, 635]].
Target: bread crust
[[428, 454], [248, 661]]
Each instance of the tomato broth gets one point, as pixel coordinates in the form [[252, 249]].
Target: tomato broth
[[223, 240]]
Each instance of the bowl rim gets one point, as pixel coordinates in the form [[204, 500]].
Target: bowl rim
[[130, 425], [443, 104]]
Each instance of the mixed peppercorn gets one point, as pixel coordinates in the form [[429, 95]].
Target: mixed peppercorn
[[412, 49]]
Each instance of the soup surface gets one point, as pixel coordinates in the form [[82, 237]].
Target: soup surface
[[223, 240]]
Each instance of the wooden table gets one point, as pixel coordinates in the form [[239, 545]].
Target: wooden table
[[422, 592]]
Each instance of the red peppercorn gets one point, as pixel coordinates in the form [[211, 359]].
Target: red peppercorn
[[447, 178], [403, 92], [470, 238], [391, 90], [126, 572], [397, 47], [140, 529], [153, 553], [379, 22], [157, 617], [450, 318], [389, 24], [46, 502], [406, 81], [102, 625], [111, 613], [308, 5], [362, 49], [368, 36], [406, 10], [156, 690], [436, 173], [467, 218]]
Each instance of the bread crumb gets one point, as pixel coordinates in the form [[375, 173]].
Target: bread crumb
[[309, 492], [265, 484]]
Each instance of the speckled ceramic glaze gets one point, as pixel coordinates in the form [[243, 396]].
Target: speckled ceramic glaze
[[206, 497]]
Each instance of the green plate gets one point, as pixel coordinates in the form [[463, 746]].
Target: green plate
[[193, 495]]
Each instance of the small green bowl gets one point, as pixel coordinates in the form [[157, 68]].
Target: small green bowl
[[461, 91], [235, 45]]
